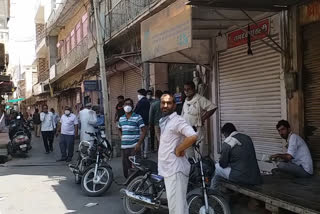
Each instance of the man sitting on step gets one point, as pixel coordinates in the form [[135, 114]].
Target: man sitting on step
[[297, 160], [238, 162]]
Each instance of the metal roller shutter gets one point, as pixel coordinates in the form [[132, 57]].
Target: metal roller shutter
[[132, 83], [116, 89], [250, 94], [311, 74]]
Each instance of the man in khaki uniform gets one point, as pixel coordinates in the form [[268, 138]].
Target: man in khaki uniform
[[196, 110]]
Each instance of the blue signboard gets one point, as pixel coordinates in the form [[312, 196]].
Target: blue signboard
[[92, 85]]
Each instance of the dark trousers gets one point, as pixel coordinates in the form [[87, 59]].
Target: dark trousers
[[66, 146], [47, 137], [126, 164], [152, 135]]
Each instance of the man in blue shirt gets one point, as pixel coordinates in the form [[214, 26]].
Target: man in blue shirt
[[133, 132], [142, 108]]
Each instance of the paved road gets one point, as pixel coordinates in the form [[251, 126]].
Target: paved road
[[38, 184]]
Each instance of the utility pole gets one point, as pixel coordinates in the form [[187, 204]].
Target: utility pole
[[104, 82]]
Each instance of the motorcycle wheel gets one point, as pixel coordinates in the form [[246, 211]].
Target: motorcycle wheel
[[217, 205], [130, 206], [105, 177]]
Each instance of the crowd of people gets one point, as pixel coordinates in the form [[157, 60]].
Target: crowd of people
[[154, 121]]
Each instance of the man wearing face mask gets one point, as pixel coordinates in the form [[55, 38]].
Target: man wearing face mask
[[68, 127], [142, 108], [149, 96], [132, 133]]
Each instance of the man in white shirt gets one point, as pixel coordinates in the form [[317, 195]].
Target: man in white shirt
[[196, 110], [47, 128], [88, 121], [68, 127], [298, 161], [176, 136]]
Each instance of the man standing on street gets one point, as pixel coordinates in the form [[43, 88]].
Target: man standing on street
[[47, 128], [132, 133], [176, 136], [36, 122], [68, 127], [155, 115], [143, 108], [119, 109], [88, 121], [196, 110]]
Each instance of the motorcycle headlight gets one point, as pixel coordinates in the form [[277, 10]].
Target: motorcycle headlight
[[84, 147]]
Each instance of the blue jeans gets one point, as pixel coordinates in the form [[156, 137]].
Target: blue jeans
[[66, 146], [293, 169]]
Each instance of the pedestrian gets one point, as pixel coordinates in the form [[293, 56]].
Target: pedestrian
[[143, 108], [196, 110], [119, 109], [56, 117], [88, 121], [132, 133], [100, 116], [149, 96], [47, 128], [68, 127], [36, 122], [176, 136], [155, 115]]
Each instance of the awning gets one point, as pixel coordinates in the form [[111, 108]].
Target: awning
[[256, 5]]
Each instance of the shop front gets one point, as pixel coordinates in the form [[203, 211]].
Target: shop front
[[310, 34], [251, 92]]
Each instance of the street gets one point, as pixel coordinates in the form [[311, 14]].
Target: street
[[39, 184]]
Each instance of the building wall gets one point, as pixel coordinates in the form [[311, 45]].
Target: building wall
[[159, 76], [40, 33]]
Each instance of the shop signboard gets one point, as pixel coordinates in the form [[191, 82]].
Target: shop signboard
[[91, 85], [240, 36], [167, 32], [310, 12]]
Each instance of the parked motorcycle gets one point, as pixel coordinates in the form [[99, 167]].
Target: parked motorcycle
[[92, 169], [147, 191], [20, 137]]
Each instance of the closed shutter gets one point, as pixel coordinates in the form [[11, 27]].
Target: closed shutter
[[133, 82], [115, 84], [311, 75], [250, 94]]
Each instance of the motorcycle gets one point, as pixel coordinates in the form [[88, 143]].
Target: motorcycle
[[92, 170], [147, 191], [20, 137]]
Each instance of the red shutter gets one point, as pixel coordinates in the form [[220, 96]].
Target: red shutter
[[73, 39], [85, 24], [78, 32]]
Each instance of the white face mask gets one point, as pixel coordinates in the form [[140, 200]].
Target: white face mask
[[67, 112], [140, 97], [149, 97], [127, 109]]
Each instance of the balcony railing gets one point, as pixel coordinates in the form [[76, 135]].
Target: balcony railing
[[124, 13], [73, 58]]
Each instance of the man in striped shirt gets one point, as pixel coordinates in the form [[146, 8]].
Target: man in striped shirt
[[133, 131]]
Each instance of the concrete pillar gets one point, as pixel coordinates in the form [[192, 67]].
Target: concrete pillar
[[53, 50]]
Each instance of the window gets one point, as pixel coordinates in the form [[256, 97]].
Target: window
[[85, 24], [73, 39], [78, 33]]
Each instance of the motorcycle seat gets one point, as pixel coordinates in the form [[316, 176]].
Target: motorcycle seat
[[157, 178]]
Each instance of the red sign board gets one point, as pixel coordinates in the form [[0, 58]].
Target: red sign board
[[240, 37]]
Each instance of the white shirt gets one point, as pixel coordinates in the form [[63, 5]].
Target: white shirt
[[193, 109], [68, 123], [88, 120], [174, 129], [47, 122], [300, 152]]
